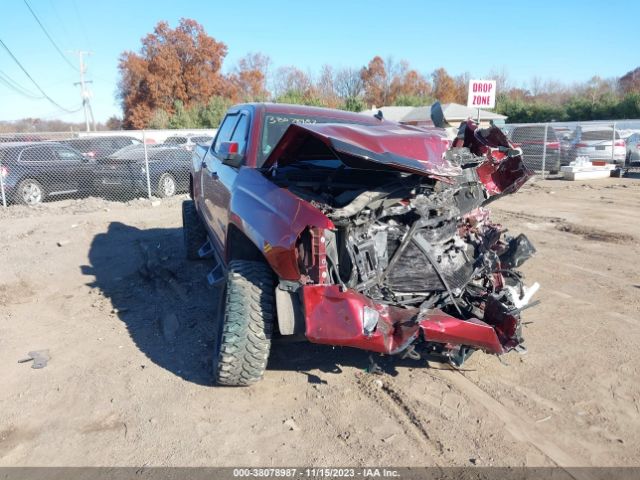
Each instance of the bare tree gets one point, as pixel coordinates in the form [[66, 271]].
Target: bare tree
[[326, 87], [536, 85], [348, 83], [501, 76], [291, 79]]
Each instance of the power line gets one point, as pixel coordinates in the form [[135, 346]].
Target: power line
[[13, 85], [64, 57], [60, 21], [53, 102], [81, 22]]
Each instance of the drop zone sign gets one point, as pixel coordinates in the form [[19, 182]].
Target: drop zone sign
[[482, 94]]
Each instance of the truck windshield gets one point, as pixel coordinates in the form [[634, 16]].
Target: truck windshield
[[275, 124]]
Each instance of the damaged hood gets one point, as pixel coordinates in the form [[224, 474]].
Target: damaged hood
[[387, 145]]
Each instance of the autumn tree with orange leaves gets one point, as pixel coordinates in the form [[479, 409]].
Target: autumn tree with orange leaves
[[173, 65], [387, 82], [175, 81], [248, 80]]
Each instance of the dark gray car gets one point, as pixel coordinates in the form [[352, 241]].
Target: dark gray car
[[168, 170], [531, 138], [35, 171], [99, 147]]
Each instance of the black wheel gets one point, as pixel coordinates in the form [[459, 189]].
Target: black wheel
[[245, 324], [193, 231], [29, 192], [167, 186]]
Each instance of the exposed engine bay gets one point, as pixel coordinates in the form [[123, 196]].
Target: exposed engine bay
[[420, 244]]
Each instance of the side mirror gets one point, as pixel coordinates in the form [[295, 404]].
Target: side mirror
[[437, 115], [229, 153]]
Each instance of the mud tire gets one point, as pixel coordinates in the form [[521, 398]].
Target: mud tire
[[193, 231], [244, 324]]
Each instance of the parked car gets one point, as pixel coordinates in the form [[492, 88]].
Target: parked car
[[188, 141], [126, 169], [562, 131], [35, 171], [100, 147], [353, 231], [596, 142], [531, 138], [633, 149]]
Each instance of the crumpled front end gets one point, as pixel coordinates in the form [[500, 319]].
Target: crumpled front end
[[412, 258], [357, 321], [478, 312]]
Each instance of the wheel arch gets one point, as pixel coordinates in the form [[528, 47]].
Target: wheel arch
[[240, 247], [14, 197], [41, 179]]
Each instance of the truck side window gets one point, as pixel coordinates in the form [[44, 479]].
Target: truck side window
[[240, 133], [225, 131]]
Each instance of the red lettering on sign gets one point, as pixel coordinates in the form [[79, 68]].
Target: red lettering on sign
[[481, 100], [482, 87]]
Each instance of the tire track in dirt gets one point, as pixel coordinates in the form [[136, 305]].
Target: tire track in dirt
[[391, 399], [562, 225], [530, 217], [596, 308], [517, 425]]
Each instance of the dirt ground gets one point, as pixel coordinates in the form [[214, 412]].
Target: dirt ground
[[127, 323]]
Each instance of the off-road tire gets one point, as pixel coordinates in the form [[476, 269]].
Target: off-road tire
[[245, 324], [193, 231]]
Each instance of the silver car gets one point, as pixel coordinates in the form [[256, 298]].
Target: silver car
[[633, 148], [596, 142], [188, 141]]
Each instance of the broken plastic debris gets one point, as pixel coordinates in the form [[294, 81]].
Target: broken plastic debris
[[39, 358]]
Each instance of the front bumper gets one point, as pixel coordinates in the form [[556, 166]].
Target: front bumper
[[618, 156], [336, 317]]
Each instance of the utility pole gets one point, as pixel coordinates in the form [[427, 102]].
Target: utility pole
[[84, 91]]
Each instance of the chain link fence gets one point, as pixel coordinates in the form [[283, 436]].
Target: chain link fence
[[121, 166], [548, 146], [40, 167]]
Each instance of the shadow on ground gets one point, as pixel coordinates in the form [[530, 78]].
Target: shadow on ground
[[163, 300], [169, 309]]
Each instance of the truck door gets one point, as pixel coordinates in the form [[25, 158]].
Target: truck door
[[217, 179]]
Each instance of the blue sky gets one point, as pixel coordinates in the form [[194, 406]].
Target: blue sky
[[569, 41]]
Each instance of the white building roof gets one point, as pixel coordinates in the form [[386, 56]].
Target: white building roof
[[394, 114], [453, 112]]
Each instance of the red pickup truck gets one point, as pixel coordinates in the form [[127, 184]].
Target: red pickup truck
[[351, 230]]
